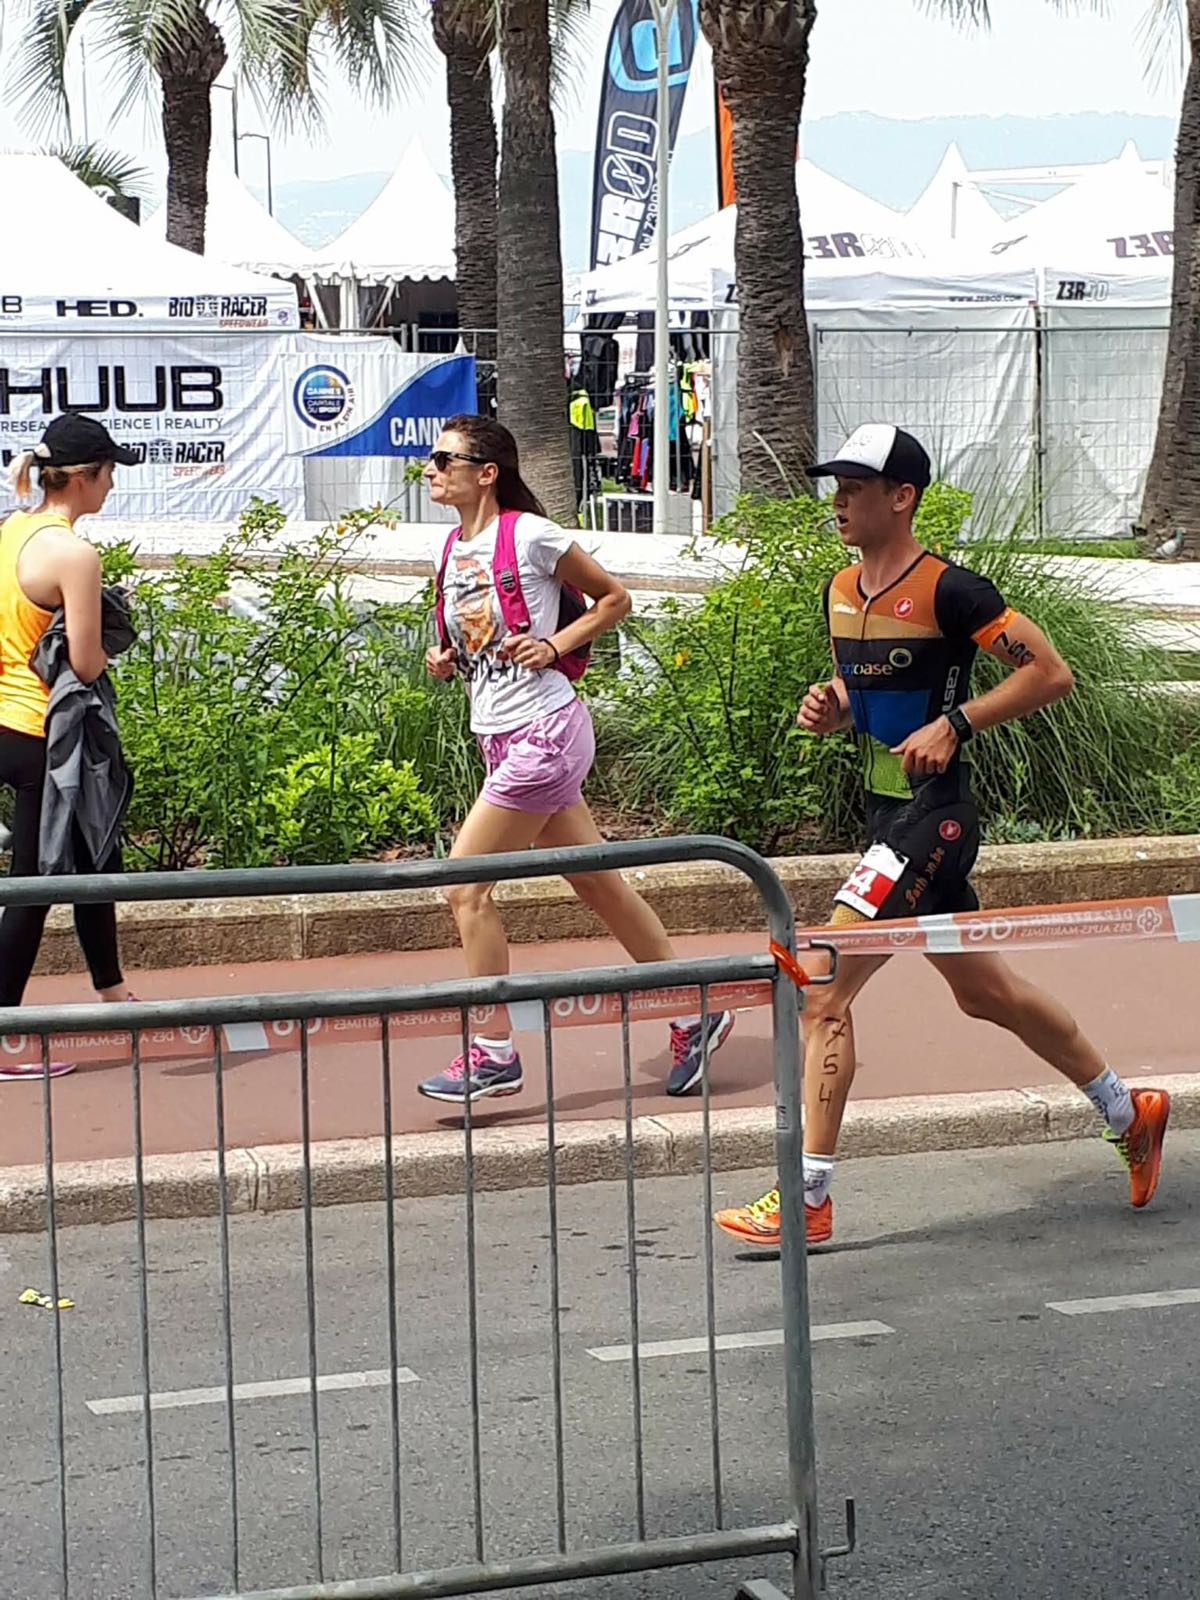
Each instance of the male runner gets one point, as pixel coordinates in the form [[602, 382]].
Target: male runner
[[904, 627]]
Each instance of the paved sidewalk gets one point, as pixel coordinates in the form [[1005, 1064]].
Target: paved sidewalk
[[1140, 1003]]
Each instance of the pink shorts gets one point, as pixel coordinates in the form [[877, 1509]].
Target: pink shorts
[[541, 767]]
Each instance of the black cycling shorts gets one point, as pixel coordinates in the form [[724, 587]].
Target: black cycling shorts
[[919, 859]]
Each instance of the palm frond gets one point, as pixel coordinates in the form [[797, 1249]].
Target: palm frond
[[378, 44], [571, 37], [959, 13], [107, 171], [379, 40], [1162, 38], [38, 77]]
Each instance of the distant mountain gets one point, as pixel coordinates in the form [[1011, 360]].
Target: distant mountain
[[893, 161], [316, 210], [889, 159]]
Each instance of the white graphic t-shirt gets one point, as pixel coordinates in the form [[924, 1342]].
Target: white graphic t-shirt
[[504, 697]]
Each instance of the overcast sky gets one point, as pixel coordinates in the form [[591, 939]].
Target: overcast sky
[[1033, 62]]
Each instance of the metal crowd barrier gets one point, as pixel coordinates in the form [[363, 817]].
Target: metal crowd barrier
[[793, 1535]]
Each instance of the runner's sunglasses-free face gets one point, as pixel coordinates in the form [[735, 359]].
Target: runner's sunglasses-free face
[[442, 459]]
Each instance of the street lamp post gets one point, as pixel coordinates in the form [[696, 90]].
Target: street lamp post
[[664, 16], [266, 139], [231, 90]]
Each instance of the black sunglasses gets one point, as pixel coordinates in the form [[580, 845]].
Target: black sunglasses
[[442, 459]]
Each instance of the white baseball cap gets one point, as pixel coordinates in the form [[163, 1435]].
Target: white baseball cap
[[879, 450]]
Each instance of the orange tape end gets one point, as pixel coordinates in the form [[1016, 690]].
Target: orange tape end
[[786, 961]]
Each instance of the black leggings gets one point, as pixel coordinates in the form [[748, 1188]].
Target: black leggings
[[23, 769]]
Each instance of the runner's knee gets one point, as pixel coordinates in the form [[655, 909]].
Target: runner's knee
[[599, 891], [468, 899], [987, 998]]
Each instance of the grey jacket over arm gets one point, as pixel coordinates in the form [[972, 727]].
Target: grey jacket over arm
[[88, 782]]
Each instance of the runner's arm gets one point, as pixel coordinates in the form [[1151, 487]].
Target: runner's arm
[[79, 579], [1039, 677], [611, 603]]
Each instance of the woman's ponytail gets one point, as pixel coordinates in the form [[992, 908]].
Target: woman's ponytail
[[21, 474], [492, 442]]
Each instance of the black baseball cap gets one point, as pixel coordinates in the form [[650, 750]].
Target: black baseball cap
[[74, 440], [878, 450]]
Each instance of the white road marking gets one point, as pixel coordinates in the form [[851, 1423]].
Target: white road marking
[[172, 1399], [736, 1341], [1125, 1302]]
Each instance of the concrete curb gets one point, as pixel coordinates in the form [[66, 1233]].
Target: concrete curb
[[351, 1171], [700, 899]]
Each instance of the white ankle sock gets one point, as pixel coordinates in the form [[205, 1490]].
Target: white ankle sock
[[818, 1174], [499, 1049], [1111, 1098]]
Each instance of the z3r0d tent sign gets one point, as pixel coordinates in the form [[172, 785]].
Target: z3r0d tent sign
[[203, 413], [363, 397]]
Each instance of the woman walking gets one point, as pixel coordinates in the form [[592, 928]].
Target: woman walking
[[506, 560], [45, 567]]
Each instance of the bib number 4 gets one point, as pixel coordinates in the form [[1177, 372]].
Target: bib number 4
[[873, 879]]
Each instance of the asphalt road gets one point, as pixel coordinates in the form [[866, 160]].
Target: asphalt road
[[996, 1446]]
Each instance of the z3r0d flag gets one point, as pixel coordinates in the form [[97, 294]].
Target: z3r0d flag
[[625, 185]]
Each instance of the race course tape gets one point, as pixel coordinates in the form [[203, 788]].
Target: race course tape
[[1174, 917]]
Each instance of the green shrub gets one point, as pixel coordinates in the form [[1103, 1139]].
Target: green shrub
[[219, 699], [342, 800]]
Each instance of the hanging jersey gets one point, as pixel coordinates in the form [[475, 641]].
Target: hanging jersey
[[905, 655], [23, 695]]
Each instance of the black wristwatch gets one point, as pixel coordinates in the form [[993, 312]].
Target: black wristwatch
[[961, 724]]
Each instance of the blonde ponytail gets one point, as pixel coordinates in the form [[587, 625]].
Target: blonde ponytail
[[21, 474], [49, 478]]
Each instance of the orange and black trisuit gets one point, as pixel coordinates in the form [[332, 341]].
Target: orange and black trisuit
[[905, 656]]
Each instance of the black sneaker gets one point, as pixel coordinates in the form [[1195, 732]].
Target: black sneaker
[[687, 1049]]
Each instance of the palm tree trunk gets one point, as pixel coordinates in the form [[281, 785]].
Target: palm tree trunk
[[187, 133], [1172, 494], [530, 373], [188, 71], [473, 155], [760, 57]]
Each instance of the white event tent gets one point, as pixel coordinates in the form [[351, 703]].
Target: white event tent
[[238, 229], [1105, 247], [847, 235], [118, 276], [950, 209], [404, 238], [902, 325]]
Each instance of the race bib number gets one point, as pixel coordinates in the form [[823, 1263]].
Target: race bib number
[[873, 879]]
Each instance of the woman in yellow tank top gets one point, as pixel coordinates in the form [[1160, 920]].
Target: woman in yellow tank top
[[44, 564]]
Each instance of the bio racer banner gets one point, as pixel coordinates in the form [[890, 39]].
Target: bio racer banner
[[363, 397]]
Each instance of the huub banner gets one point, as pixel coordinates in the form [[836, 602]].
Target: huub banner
[[204, 414], [625, 186]]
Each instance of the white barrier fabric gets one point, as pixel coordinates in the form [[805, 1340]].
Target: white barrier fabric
[[964, 380], [1102, 389]]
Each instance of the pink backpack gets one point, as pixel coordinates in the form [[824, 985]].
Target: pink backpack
[[507, 578]]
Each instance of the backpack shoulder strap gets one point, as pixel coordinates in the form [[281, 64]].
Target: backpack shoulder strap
[[439, 609], [507, 576]]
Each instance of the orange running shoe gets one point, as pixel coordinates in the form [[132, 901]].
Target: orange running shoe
[[758, 1224], [1140, 1147]]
